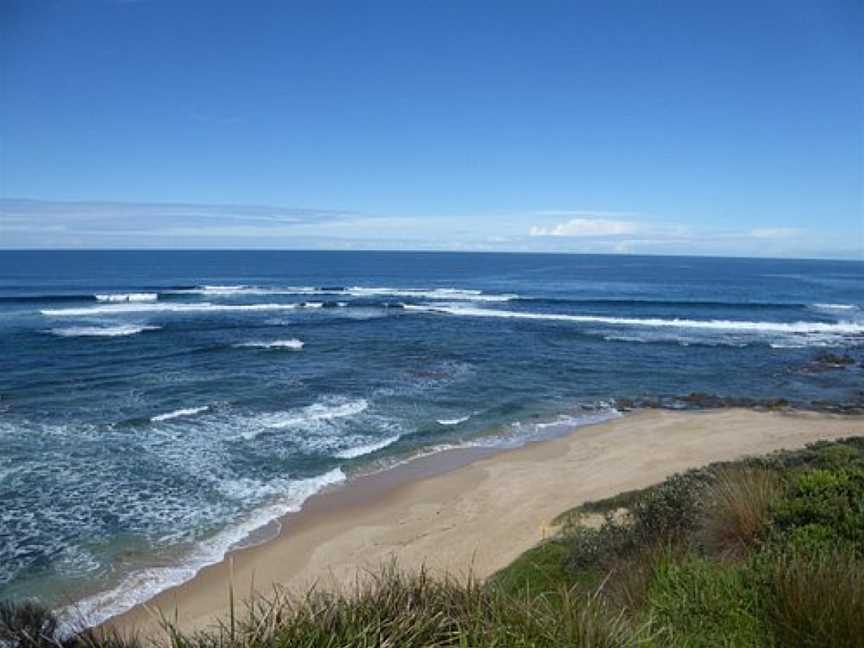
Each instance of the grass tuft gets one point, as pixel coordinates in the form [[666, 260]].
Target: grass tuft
[[737, 510], [817, 600]]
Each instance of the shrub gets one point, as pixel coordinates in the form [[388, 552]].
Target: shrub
[[824, 507], [672, 510], [663, 515], [737, 510]]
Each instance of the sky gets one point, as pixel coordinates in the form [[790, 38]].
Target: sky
[[641, 127]]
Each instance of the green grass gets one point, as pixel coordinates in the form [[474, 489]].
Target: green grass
[[538, 571], [699, 603], [816, 600]]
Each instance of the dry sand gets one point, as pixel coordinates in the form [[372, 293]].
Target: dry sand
[[477, 510]]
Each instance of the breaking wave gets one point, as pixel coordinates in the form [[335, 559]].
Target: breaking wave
[[293, 344], [321, 412], [103, 331], [127, 297], [834, 307], [454, 421], [369, 448], [451, 294], [842, 328], [202, 307], [191, 411], [142, 585]]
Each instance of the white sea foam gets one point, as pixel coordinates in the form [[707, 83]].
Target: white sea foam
[[218, 289], [522, 433], [365, 449], [293, 344], [451, 294], [519, 434], [144, 584], [311, 415], [682, 340], [127, 297], [454, 421], [191, 411], [841, 328], [120, 309], [103, 331], [834, 307]]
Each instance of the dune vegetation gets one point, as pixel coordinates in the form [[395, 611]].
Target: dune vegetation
[[766, 551]]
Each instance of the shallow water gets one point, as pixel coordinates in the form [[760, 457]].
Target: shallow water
[[158, 407]]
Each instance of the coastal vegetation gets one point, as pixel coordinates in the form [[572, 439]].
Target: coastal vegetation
[[765, 551]]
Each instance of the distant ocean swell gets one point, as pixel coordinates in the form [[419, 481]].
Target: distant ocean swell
[[150, 295], [846, 329]]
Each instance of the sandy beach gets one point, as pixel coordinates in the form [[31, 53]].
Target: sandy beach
[[477, 509]]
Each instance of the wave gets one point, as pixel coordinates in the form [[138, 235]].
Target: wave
[[311, 415], [453, 421], [841, 328], [142, 585], [676, 339], [369, 448], [662, 303], [522, 433], [127, 297], [119, 309], [293, 343], [834, 307], [451, 294], [103, 331], [191, 411]]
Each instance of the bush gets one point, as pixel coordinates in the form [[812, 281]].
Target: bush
[[824, 508], [665, 514], [670, 512]]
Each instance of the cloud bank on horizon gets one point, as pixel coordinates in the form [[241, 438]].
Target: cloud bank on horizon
[[39, 224]]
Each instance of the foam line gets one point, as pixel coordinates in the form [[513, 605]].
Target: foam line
[[843, 328]]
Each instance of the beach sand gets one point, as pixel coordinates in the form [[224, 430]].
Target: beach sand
[[477, 509]]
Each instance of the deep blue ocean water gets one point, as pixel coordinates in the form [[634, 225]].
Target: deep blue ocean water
[[158, 407]]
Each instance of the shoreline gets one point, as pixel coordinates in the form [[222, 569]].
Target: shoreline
[[98, 608], [474, 509]]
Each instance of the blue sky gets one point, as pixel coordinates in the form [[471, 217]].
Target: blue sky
[[641, 127]]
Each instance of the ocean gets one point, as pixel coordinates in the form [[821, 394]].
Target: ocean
[[158, 408]]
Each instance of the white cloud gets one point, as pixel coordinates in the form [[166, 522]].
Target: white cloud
[[775, 232], [587, 227]]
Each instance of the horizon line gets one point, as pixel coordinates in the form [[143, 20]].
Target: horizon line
[[440, 251]]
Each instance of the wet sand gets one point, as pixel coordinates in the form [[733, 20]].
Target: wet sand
[[476, 509]]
